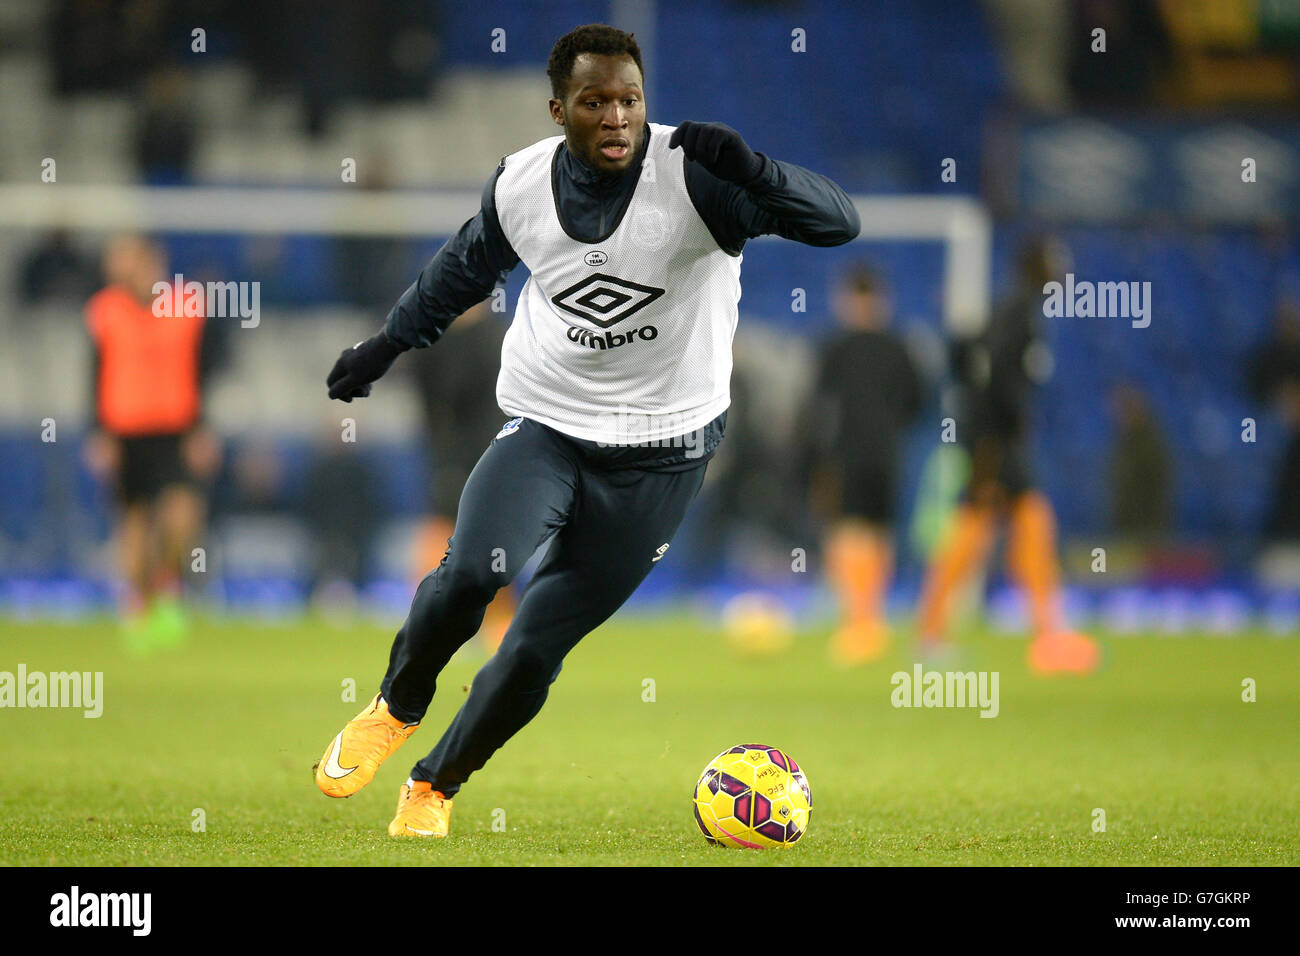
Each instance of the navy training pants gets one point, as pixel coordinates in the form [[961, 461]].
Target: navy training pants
[[610, 514]]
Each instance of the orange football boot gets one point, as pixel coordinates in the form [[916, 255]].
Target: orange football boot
[[421, 811], [1063, 652], [352, 758], [860, 642]]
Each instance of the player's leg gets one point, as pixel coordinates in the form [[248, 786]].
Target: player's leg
[[966, 545], [135, 533], [497, 617], [431, 539], [860, 560], [180, 516], [1032, 561], [176, 511], [595, 563], [520, 493], [449, 480], [133, 539], [133, 529], [436, 530]]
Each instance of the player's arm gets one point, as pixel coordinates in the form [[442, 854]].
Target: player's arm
[[463, 273], [102, 451], [741, 194]]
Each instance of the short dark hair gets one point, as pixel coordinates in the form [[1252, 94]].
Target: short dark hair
[[592, 38], [863, 278]]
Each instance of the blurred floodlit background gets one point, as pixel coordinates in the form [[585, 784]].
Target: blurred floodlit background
[[1133, 157]]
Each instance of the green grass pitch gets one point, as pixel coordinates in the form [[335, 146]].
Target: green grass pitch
[[1186, 772]]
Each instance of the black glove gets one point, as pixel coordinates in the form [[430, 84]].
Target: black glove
[[360, 365], [719, 149]]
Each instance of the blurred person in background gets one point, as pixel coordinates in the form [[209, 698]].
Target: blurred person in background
[[56, 269], [166, 133], [338, 504], [998, 373], [369, 268], [755, 505], [457, 389], [252, 482], [1140, 471], [150, 441], [867, 391], [1136, 58], [1275, 380]]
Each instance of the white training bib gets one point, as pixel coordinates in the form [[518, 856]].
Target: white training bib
[[624, 341]]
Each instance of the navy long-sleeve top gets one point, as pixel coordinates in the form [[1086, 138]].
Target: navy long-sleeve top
[[783, 200]]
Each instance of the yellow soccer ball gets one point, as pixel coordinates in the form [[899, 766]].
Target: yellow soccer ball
[[753, 796]]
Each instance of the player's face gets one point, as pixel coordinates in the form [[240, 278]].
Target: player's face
[[603, 113], [857, 309], [135, 263]]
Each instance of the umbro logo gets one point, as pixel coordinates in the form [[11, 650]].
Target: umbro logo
[[605, 300]]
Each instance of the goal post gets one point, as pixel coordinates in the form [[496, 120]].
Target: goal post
[[961, 223]]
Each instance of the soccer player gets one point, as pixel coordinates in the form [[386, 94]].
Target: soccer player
[[615, 368], [148, 376], [866, 392], [998, 373]]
